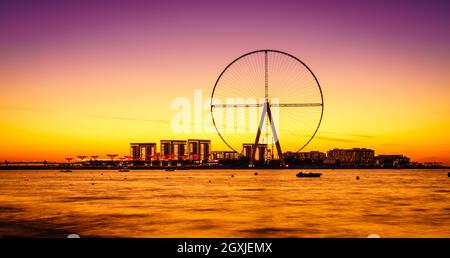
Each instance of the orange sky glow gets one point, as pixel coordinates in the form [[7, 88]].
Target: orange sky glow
[[69, 91]]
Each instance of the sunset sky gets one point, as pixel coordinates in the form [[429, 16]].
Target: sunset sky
[[89, 77]]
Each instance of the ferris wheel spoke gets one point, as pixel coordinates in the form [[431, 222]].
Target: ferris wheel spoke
[[266, 70], [297, 105], [272, 105], [235, 105]]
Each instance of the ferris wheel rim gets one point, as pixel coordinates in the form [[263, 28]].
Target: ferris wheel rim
[[274, 51]]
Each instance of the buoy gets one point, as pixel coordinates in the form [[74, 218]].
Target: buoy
[[357, 177], [92, 183], [232, 175], [209, 181], [256, 173], [73, 236]]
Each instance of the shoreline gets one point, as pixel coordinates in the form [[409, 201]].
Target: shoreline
[[209, 168]]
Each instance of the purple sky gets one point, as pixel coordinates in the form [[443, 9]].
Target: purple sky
[[420, 23]]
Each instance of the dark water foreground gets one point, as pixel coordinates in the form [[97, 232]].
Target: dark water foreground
[[212, 203]]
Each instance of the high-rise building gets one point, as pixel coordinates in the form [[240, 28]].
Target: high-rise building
[[142, 151], [261, 151], [198, 150], [173, 149]]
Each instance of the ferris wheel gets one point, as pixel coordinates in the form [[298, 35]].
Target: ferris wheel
[[267, 97]]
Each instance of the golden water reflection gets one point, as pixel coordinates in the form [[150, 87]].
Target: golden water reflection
[[274, 203]]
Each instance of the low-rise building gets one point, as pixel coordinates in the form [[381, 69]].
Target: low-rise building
[[355, 156], [312, 156], [392, 161], [224, 155]]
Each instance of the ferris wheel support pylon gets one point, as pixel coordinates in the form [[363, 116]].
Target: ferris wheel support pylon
[[268, 112]]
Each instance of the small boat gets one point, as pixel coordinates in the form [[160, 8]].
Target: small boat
[[310, 174], [124, 170], [170, 169], [65, 170]]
